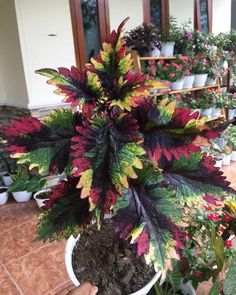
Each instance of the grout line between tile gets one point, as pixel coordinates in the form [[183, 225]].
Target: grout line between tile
[[13, 281], [27, 254], [16, 226], [57, 287]]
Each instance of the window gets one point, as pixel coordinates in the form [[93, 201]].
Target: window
[[203, 15], [90, 23], [156, 12]]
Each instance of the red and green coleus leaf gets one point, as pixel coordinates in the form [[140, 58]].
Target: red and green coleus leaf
[[79, 88], [105, 155], [67, 212], [148, 216], [43, 144], [194, 177], [169, 132]]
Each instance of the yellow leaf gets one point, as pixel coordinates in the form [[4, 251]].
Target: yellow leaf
[[135, 233], [107, 47], [85, 182], [138, 164]]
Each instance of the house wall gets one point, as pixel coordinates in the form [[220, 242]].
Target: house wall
[[183, 10], [121, 9], [13, 90], [221, 16], [233, 15], [46, 41]]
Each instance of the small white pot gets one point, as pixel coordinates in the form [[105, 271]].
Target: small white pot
[[218, 163], [226, 159], [155, 52], [23, 196], [233, 156], [167, 48], [7, 180], [231, 114], [216, 112], [187, 289], [3, 196], [188, 82], [178, 85], [200, 80], [207, 112], [40, 201], [210, 81], [197, 110], [68, 262], [153, 91]]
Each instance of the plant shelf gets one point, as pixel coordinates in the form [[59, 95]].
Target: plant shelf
[[215, 118]]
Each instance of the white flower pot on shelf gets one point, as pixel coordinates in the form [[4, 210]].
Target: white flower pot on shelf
[[71, 242], [167, 48], [39, 201], [216, 112], [178, 85], [197, 110], [233, 156], [155, 52], [231, 114], [188, 82], [23, 196], [7, 180], [210, 81], [207, 112], [226, 159], [3, 195], [200, 80]]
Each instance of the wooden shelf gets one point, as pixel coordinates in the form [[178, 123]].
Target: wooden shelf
[[215, 118], [156, 57], [184, 90]]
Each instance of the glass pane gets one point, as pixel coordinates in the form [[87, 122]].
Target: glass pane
[[156, 13], [91, 27], [204, 15]]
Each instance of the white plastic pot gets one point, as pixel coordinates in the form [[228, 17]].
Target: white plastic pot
[[68, 262], [187, 289], [3, 196], [216, 112], [219, 163], [207, 112], [40, 201], [231, 114], [178, 85], [188, 82], [23, 196], [233, 156], [210, 81], [200, 80], [167, 48], [226, 159], [155, 52], [7, 180]]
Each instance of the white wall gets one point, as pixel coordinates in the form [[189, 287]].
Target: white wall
[[36, 20], [221, 16], [121, 9], [183, 10], [12, 81]]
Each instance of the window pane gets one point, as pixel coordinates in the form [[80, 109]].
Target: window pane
[[204, 15], [91, 27], [156, 13]]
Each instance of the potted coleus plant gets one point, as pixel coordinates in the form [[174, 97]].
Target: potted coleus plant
[[3, 195], [170, 34], [145, 39], [199, 67], [135, 163], [24, 185], [172, 72]]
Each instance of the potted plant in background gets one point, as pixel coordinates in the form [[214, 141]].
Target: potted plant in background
[[41, 196], [24, 184], [218, 104], [9, 168], [230, 105], [205, 102], [134, 160], [188, 77], [185, 43], [145, 39], [3, 195], [199, 67], [170, 34], [232, 141]]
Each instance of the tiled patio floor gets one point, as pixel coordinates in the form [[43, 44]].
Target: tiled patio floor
[[35, 268]]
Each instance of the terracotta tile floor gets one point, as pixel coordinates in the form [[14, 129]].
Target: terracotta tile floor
[[34, 268]]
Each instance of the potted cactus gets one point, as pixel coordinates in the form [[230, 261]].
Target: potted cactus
[[131, 163]]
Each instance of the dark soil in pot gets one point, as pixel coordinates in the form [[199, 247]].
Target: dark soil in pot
[[109, 263], [3, 190], [42, 196]]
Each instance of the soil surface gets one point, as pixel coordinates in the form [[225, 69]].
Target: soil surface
[[109, 263], [42, 196]]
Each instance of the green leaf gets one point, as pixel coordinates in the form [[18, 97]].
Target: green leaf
[[215, 289], [230, 280], [174, 277], [59, 120]]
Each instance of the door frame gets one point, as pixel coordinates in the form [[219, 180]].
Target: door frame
[[78, 30], [197, 16]]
